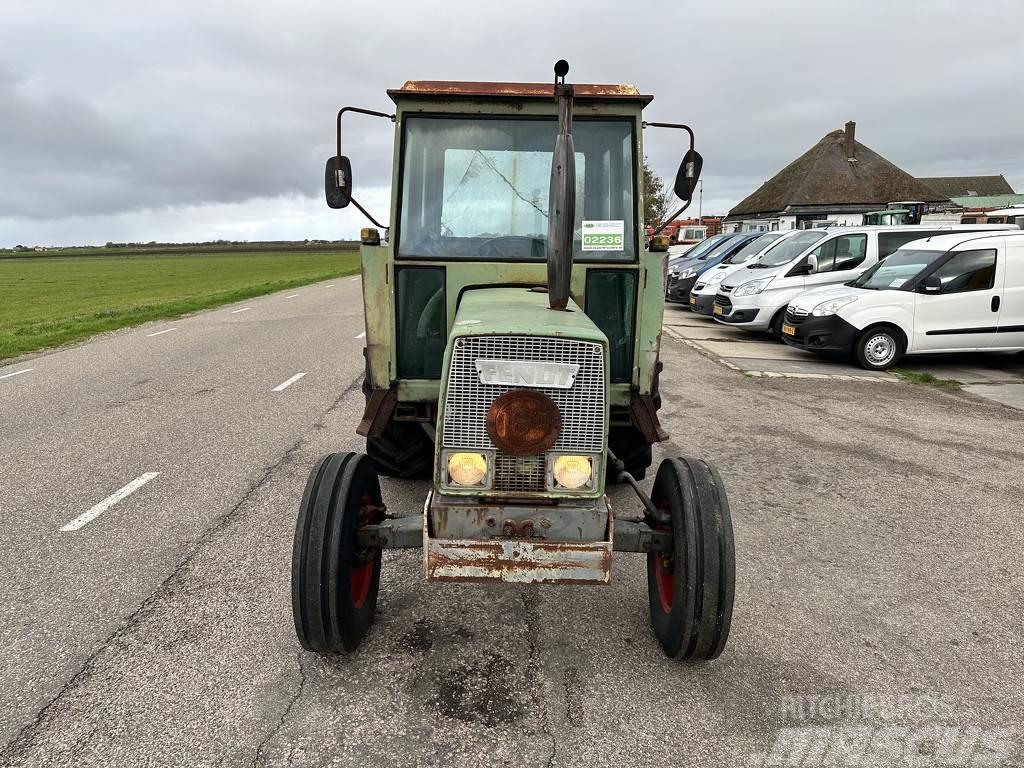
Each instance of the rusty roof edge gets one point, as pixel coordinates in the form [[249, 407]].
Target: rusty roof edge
[[495, 90]]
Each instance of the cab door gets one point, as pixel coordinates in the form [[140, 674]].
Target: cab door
[[964, 315], [1010, 333]]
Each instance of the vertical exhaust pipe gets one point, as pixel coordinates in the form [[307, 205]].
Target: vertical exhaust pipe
[[561, 196]]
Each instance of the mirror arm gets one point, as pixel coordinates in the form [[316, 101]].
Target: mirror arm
[[679, 127], [671, 218], [371, 113], [366, 213]]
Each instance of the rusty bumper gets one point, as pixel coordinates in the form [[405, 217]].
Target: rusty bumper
[[516, 560]]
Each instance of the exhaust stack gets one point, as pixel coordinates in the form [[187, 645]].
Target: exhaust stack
[[561, 196]]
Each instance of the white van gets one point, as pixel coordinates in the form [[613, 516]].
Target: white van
[[756, 296], [702, 295], [950, 293]]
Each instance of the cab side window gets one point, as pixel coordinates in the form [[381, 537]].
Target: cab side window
[[968, 271]]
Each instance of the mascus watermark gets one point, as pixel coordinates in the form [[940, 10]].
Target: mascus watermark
[[849, 729]]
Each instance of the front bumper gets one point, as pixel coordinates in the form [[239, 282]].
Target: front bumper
[[725, 311], [518, 557], [828, 335], [702, 303], [679, 291]]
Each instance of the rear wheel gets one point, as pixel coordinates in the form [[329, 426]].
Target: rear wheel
[[879, 348], [632, 449], [403, 449], [691, 589], [334, 581]]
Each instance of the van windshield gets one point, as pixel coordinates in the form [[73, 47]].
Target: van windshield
[[895, 271], [751, 249], [787, 250], [701, 248]]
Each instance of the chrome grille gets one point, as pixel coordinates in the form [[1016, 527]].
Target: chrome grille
[[794, 312], [467, 400]]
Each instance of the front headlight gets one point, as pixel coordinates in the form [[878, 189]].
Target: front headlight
[[571, 472], [467, 469], [687, 273], [832, 306], [716, 278], [752, 287]]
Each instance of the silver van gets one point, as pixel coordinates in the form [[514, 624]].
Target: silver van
[[755, 297]]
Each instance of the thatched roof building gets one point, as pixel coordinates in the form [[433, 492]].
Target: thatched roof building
[[838, 179]]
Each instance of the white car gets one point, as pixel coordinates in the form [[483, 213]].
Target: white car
[[755, 297], [951, 293]]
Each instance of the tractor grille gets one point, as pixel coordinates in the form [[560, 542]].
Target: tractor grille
[[467, 401]]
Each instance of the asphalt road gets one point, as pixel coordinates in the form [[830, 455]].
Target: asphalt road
[[878, 543]]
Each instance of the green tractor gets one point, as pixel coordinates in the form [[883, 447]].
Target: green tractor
[[513, 325]]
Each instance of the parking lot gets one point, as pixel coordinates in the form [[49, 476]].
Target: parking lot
[[997, 377]]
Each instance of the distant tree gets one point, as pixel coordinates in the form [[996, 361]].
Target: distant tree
[[655, 196]]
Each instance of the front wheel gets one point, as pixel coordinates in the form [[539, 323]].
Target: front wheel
[[691, 588], [334, 581], [879, 348]]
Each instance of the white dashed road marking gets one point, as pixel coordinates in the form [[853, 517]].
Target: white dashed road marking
[[165, 330], [243, 309], [354, 278], [87, 517], [361, 335], [285, 384], [292, 296], [16, 373], [330, 286]]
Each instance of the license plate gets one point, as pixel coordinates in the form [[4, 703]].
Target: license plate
[[788, 329], [717, 310], [693, 299]]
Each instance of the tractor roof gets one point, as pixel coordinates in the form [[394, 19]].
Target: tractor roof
[[455, 89]]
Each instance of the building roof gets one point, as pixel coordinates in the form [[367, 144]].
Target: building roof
[[456, 89], [962, 186], [988, 202], [825, 177]]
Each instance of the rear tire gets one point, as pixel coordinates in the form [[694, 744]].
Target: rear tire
[[334, 583], [879, 348], [403, 450], [630, 447], [691, 589]]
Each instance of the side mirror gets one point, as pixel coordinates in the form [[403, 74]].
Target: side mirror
[[931, 284], [688, 174], [338, 182], [812, 264]]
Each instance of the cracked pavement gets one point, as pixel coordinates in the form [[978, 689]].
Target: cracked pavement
[[877, 551]]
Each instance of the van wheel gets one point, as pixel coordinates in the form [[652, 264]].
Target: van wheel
[[879, 348], [777, 321]]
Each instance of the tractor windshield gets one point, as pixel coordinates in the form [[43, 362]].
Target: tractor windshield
[[477, 188]]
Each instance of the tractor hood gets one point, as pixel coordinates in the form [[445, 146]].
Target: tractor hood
[[522, 312]]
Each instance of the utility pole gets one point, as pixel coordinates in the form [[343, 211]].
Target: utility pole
[[700, 203]]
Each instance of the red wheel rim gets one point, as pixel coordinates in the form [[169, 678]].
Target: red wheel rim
[[360, 582], [360, 578], [664, 576]]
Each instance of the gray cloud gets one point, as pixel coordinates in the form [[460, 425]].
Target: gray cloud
[[120, 110]]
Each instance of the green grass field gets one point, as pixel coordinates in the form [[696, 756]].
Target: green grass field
[[53, 300]]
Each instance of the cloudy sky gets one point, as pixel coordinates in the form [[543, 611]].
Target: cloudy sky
[[192, 120]]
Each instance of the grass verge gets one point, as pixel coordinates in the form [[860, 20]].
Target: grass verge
[[47, 302], [930, 379]]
